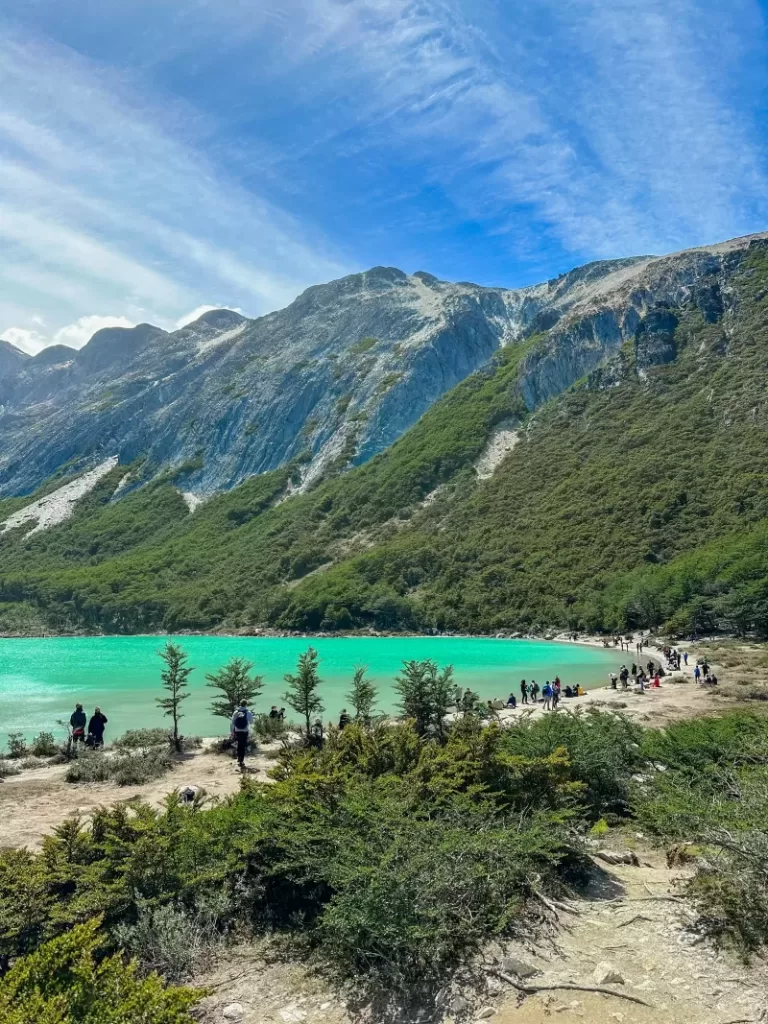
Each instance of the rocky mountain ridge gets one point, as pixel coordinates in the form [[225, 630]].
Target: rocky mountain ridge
[[328, 381]]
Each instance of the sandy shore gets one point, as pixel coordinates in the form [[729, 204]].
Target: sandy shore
[[33, 803]]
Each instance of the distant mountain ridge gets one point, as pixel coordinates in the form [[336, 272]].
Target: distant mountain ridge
[[321, 385], [605, 468]]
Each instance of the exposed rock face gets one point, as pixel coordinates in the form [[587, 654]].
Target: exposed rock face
[[335, 377]]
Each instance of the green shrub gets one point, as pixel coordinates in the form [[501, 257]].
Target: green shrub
[[603, 751], [44, 745], [269, 729], [174, 941], [8, 768], [17, 745], [708, 788], [140, 739], [89, 766], [65, 982], [128, 768]]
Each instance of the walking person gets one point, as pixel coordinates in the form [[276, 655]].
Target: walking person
[[534, 692], [96, 729], [697, 674], [685, 658], [77, 722], [242, 720], [344, 719]]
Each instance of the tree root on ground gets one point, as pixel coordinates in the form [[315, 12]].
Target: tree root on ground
[[531, 990]]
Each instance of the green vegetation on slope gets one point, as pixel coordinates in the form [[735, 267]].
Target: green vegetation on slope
[[638, 497], [143, 561]]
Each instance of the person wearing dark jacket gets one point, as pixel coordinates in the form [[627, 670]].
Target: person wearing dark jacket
[[96, 728], [77, 721], [344, 719]]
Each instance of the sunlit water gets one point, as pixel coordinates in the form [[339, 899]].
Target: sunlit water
[[41, 679]]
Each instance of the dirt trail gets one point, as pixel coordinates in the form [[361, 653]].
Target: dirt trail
[[645, 939], [33, 803], [649, 942]]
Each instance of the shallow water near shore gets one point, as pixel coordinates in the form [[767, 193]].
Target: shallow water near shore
[[41, 679]]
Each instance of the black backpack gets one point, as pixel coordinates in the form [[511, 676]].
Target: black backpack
[[241, 721]]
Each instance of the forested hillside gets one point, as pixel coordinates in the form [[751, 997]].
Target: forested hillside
[[636, 497]]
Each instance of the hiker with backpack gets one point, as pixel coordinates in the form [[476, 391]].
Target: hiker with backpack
[[242, 720]]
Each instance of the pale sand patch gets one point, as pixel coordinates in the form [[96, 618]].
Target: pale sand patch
[[33, 803], [59, 505], [500, 443], [191, 500]]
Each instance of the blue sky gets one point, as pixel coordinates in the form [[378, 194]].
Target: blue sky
[[160, 156]]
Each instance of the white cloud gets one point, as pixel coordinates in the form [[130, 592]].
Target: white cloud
[[73, 335], [611, 129], [108, 200], [28, 341], [196, 313], [83, 329]]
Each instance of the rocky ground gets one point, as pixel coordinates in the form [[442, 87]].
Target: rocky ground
[[630, 933]]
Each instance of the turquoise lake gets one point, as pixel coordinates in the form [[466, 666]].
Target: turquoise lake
[[41, 679]]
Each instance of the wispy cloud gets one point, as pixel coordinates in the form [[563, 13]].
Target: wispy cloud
[[105, 203], [614, 128], [231, 150]]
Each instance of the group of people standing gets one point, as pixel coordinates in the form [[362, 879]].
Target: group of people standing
[[94, 735], [551, 693]]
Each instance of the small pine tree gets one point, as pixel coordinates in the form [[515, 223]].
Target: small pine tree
[[301, 694], [363, 695], [235, 685], [175, 677], [426, 695]]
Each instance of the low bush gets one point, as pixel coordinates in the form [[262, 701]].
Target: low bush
[[174, 941], [44, 745], [140, 739], [709, 792], [66, 981], [144, 739], [8, 768], [128, 768], [604, 751], [269, 729], [89, 766], [17, 745]]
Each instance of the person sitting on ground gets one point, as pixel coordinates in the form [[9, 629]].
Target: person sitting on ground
[[511, 701], [241, 722], [344, 719], [580, 691], [656, 681], [273, 712], [77, 721], [96, 728], [713, 679], [569, 692]]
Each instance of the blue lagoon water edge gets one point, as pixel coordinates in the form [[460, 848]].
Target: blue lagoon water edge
[[41, 679]]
